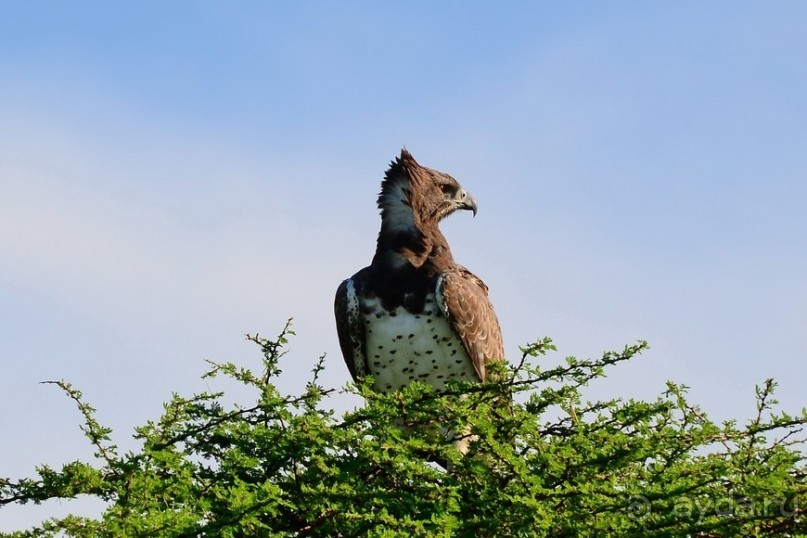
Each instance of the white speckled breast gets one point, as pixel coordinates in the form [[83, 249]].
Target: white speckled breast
[[402, 347]]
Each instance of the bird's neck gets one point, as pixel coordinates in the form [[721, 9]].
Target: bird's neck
[[403, 241], [405, 237]]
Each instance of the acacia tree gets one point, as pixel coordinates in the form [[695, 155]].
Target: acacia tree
[[547, 463]]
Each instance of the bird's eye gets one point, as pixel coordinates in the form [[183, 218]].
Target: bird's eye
[[445, 188]]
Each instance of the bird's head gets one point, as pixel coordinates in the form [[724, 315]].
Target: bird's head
[[413, 196]]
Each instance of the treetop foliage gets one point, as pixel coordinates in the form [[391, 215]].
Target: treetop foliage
[[543, 461]]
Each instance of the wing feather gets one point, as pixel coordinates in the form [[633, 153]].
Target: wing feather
[[349, 328], [465, 302]]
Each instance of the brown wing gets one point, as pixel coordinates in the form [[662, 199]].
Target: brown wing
[[466, 304], [349, 328]]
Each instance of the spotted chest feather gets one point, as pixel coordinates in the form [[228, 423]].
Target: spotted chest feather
[[402, 347]]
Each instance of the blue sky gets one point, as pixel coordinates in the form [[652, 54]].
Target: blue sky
[[174, 175]]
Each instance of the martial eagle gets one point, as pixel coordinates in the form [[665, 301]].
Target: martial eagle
[[414, 313]]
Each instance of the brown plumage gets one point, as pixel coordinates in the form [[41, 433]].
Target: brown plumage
[[414, 313]]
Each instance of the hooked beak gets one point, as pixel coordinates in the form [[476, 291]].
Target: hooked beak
[[466, 201]]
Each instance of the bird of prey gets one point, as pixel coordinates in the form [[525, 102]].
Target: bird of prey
[[414, 313]]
